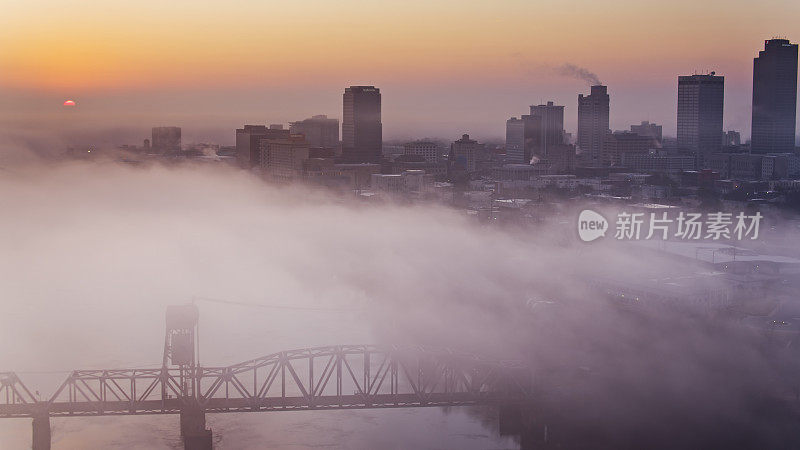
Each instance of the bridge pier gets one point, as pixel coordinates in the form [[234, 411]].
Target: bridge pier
[[510, 420], [517, 420], [533, 437], [193, 429], [41, 431]]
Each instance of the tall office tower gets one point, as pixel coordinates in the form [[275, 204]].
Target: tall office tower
[[248, 150], [774, 98], [700, 102], [521, 135], [515, 141], [593, 117], [320, 131], [551, 127], [648, 129], [361, 125], [166, 139]]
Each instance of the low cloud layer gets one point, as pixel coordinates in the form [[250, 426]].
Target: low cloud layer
[[94, 252]]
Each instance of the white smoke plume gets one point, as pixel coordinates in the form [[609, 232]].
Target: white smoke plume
[[578, 72]]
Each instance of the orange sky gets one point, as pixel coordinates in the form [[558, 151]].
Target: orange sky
[[64, 47], [54, 44]]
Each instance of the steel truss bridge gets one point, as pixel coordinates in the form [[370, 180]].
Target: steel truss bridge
[[335, 377]]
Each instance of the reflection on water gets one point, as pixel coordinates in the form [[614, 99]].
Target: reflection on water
[[419, 428]]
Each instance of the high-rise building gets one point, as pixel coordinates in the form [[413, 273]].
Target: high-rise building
[[774, 98], [320, 131], [534, 134], [361, 125], [593, 122], [551, 123], [648, 129], [515, 140], [248, 148], [166, 139], [521, 134], [283, 157], [700, 104]]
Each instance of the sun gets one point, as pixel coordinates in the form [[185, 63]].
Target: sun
[[69, 103]]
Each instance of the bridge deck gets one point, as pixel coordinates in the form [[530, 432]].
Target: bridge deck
[[220, 405]]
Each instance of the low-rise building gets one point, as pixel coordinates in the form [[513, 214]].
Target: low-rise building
[[390, 183], [648, 129], [416, 162], [745, 166], [622, 143], [567, 182], [428, 150], [657, 162], [326, 172]]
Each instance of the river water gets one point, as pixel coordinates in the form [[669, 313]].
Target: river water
[[93, 255]]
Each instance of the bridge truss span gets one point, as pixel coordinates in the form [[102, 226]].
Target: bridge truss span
[[359, 376], [333, 377], [319, 378]]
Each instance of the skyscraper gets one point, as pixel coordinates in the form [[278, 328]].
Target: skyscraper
[[593, 118], [774, 97], [521, 134], [534, 134], [361, 125], [551, 118], [700, 103]]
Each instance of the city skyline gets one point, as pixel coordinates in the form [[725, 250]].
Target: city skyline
[[400, 224], [204, 69]]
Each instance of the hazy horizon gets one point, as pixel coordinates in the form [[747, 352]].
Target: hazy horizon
[[444, 68]]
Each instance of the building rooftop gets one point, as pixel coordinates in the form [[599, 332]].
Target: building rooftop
[[716, 253]]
